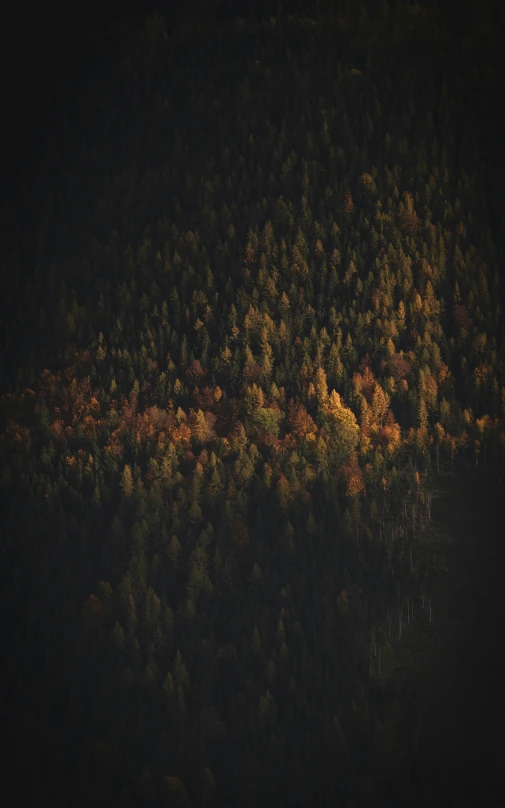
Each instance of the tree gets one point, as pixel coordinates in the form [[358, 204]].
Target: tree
[[174, 550], [299, 420], [348, 205], [321, 387], [440, 438], [343, 603], [343, 425], [422, 413], [118, 637], [380, 404], [173, 793], [127, 481], [267, 419], [354, 480], [253, 398]]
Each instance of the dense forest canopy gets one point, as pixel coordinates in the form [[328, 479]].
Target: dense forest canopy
[[254, 307]]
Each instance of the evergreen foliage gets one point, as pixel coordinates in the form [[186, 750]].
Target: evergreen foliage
[[260, 307]]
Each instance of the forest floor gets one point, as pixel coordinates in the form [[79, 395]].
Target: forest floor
[[455, 663]]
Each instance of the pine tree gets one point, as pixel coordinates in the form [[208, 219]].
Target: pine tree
[[127, 481]]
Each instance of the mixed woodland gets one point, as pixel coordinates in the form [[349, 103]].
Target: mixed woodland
[[254, 310]]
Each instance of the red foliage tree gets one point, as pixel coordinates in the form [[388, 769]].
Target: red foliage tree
[[299, 420]]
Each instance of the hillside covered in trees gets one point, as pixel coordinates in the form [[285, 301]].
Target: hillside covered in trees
[[254, 311]]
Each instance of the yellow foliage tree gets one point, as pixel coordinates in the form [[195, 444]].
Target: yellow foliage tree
[[127, 481], [342, 423], [321, 387]]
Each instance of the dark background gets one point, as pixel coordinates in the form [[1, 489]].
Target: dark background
[[47, 56]]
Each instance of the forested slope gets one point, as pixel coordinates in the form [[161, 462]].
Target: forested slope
[[255, 304]]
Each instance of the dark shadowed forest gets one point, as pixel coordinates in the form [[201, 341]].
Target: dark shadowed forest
[[252, 408]]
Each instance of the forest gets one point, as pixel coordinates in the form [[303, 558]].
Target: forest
[[252, 331]]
